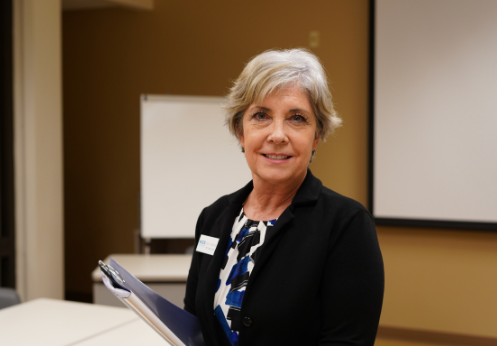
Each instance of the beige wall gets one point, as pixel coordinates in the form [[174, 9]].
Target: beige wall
[[111, 56], [38, 149], [440, 280]]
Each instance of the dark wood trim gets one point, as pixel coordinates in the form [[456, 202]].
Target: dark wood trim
[[82, 297], [473, 226], [171, 246], [433, 338], [7, 216], [371, 50]]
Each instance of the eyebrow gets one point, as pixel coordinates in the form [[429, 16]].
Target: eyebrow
[[298, 110], [269, 109], [260, 107]]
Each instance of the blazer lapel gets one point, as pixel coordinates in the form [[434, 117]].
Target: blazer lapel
[[308, 193], [224, 225], [273, 237]]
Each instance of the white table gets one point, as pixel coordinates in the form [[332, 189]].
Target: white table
[[61, 323], [165, 274]]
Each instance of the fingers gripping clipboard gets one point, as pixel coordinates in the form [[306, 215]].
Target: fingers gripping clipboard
[[177, 326]]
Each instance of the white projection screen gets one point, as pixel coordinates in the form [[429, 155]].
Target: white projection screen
[[188, 160], [434, 113]]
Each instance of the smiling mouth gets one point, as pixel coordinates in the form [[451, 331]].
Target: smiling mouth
[[277, 157]]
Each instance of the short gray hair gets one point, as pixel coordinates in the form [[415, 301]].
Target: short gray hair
[[275, 69]]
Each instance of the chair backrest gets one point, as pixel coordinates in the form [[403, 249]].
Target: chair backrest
[[8, 297]]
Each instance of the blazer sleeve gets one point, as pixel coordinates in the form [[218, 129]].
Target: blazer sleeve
[[191, 283], [353, 284]]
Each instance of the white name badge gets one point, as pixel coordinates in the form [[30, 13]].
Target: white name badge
[[207, 244]]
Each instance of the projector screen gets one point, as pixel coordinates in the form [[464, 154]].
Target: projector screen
[[434, 113]]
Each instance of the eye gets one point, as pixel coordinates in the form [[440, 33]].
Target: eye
[[298, 118], [260, 116]]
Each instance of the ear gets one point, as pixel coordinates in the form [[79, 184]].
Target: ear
[[239, 131], [315, 143], [241, 139], [239, 135]]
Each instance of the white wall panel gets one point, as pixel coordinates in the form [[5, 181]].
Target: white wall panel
[[188, 160]]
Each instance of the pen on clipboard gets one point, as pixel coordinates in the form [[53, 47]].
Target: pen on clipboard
[[113, 275]]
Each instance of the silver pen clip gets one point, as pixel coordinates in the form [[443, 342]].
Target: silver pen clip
[[112, 274]]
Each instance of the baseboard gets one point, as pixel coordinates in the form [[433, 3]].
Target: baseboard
[[437, 338]]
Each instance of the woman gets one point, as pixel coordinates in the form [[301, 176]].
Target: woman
[[296, 263]]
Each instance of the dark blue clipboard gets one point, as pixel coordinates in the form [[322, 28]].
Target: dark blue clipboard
[[181, 323]]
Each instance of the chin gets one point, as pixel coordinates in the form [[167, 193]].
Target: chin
[[278, 177]]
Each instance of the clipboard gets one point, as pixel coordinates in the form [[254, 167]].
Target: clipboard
[[177, 326]]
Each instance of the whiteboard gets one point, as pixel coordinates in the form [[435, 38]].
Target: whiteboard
[[435, 110], [188, 160]]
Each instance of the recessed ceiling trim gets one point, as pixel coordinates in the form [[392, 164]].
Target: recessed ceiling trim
[[71, 5]]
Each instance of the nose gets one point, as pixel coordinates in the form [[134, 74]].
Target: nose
[[278, 134]]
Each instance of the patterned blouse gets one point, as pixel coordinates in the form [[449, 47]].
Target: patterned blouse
[[247, 237]]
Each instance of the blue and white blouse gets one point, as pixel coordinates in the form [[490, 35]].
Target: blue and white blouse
[[247, 237]]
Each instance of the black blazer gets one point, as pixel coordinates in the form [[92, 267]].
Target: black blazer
[[318, 281]]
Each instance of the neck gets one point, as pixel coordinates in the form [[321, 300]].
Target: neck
[[267, 201]]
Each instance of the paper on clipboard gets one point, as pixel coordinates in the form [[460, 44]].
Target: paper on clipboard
[[177, 326]]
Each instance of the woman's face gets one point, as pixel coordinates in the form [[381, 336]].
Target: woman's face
[[279, 135]]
